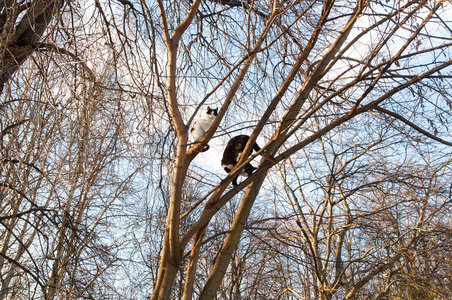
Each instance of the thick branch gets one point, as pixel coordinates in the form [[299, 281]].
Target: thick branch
[[26, 36]]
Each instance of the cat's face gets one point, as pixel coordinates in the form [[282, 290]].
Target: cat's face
[[249, 169], [212, 112]]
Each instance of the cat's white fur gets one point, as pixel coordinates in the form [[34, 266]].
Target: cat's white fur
[[201, 126], [231, 166]]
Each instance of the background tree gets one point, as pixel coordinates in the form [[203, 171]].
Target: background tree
[[369, 220], [62, 140]]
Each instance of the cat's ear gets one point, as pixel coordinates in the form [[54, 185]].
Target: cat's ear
[[208, 108]]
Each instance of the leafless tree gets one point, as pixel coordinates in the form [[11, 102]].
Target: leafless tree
[[331, 75], [63, 135], [370, 79], [365, 221]]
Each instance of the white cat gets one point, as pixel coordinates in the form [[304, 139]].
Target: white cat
[[203, 124]]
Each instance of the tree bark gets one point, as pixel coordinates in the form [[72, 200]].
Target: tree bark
[[21, 40]]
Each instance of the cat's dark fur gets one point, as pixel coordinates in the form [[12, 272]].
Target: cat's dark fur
[[232, 153], [201, 126]]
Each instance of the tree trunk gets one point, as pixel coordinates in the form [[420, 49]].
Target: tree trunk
[[21, 40], [218, 270]]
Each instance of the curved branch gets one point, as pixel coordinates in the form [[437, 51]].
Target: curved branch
[[412, 125], [54, 48]]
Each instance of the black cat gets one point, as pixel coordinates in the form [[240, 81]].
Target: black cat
[[232, 154]]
